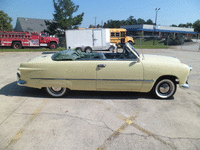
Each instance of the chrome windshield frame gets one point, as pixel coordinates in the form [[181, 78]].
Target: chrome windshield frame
[[133, 50]]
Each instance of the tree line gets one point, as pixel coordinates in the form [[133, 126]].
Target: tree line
[[117, 23]]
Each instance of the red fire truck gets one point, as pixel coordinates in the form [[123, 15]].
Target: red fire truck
[[19, 40]]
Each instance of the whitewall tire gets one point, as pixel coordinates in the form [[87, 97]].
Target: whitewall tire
[[56, 91], [164, 88]]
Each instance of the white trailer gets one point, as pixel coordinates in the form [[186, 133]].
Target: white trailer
[[88, 39]]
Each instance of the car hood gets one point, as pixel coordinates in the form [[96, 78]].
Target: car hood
[[160, 59]]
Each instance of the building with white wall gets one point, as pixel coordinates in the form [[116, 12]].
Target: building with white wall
[[159, 30]]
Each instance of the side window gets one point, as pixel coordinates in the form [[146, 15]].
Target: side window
[[43, 35], [123, 34], [112, 33], [118, 34]]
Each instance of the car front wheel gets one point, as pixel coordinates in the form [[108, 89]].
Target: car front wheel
[[56, 91], [53, 45], [164, 88]]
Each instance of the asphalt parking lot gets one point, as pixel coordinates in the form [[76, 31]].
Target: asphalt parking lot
[[30, 119]]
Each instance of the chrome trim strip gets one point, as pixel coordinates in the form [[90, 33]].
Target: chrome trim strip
[[95, 79], [6, 42]]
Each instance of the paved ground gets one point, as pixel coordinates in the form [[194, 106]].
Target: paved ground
[[29, 119], [193, 47], [189, 46]]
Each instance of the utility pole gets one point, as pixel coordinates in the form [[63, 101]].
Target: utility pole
[[157, 9], [95, 22]]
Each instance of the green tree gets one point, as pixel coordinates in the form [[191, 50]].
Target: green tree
[[173, 25], [182, 25], [91, 26], [149, 22], [196, 26], [131, 20], [113, 24], [189, 25], [140, 21], [5, 21], [63, 17]]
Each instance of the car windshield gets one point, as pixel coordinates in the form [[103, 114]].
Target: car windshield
[[75, 55], [130, 46]]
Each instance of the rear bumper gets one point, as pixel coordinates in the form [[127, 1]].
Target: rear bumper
[[19, 81]]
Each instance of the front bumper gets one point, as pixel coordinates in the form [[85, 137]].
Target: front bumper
[[186, 86], [19, 81]]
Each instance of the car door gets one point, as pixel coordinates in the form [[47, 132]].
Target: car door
[[76, 75], [119, 75]]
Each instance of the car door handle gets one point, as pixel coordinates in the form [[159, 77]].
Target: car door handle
[[101, 65]]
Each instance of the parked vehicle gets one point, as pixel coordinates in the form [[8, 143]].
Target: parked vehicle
[[88, 40], [18, 40], [119, 37], [127, 71]]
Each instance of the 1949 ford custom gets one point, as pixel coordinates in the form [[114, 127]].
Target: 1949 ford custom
[[127, 71]]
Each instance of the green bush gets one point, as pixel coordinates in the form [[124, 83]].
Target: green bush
[[188, 40], [174, 40]]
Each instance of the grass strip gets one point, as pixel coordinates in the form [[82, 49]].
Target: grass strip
[[148, 44]]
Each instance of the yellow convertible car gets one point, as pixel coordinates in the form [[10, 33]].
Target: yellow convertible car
[[127, 71]]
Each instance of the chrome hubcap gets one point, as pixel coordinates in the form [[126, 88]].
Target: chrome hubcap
[[164, 88], [56, 88], [56, 91]]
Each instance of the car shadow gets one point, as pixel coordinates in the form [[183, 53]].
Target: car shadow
[[13, 89]]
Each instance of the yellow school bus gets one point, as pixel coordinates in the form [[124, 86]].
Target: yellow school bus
[[118, 36]]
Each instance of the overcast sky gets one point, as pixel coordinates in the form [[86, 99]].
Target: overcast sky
[[171, 11]]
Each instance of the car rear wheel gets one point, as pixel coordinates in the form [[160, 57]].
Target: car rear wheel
[[56, 91], [164, 88], [17, 45]]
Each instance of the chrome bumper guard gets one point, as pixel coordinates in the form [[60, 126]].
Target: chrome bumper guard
[[19, 81], [185, 86], [190, 68]]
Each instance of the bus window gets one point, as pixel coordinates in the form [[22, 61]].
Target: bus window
[[112, 33], [118, 34], [123, 34]]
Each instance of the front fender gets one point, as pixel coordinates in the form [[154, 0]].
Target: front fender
[[155, 71]]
